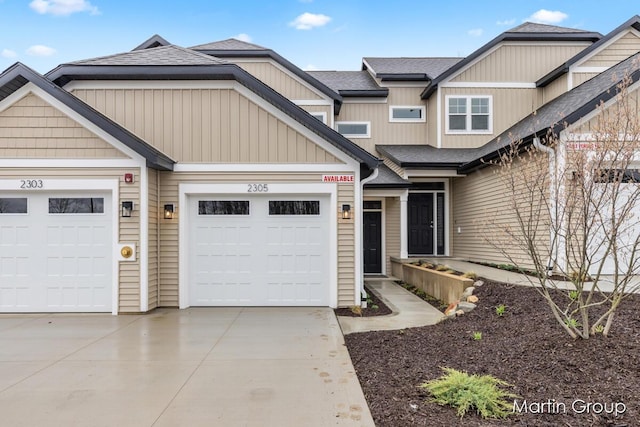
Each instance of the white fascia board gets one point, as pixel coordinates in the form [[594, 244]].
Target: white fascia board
[[588, 69], [31, 88], [497, 85], [69, 163], [364, 100], [381, 192], [263, 167]]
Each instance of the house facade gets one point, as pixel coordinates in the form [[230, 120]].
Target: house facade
[[222, 174]]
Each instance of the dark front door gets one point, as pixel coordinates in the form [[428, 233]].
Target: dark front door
[[420, 207], [372, 242]]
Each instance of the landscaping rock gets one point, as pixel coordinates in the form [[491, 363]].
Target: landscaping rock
[[466, 306], [472, 299], [451, 308], [459, 312], [478, 283], [451, 315], [468, 292]]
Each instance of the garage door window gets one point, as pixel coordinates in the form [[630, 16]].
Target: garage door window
[[13, 205], [294, 207], [223, 207], [76, 205]]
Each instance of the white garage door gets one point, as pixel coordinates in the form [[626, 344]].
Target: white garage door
[[259, 251], [55, 252]]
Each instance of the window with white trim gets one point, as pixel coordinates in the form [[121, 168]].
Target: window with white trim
[[469, 114], [354, 129], [407, 114], [320, 116]]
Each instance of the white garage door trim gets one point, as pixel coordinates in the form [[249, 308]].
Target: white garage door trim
[[275, 189], [109, 185]]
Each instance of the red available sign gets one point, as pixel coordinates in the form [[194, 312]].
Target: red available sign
[[337, 178]]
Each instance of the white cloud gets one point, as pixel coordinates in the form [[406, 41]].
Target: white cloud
[[8, 53], [243, 37], [476, 32], [307, 21], [506, 22], [62, 7], [40, 50], [544, 16]]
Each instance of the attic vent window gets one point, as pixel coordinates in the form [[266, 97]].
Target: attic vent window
[[407, 114], [354, 129]]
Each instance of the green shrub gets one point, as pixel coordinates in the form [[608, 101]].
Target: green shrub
[[465, 392]]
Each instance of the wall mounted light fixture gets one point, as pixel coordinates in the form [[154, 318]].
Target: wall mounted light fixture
[[127, 208], [346, 211], [168, 211]]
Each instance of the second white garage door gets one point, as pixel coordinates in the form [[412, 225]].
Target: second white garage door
[[259, 251]]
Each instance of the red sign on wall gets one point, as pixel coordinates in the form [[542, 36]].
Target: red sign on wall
[[337, 178]]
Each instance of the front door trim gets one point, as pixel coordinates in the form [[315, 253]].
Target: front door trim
[[383, 233]]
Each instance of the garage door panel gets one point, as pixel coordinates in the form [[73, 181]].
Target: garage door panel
[[267, 256], [56, 262]]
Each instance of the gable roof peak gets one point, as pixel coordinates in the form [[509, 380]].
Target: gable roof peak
[[535, 27], [228, 44], [161, 55], [153, 41]]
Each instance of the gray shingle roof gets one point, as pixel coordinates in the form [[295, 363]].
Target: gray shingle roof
[[153, 41], [162, 55], [430, 67], [346, 80], [566, 109], [426, 155], [533, 27], [387, 178], [228, 44]]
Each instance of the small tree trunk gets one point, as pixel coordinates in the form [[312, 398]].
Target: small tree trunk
[[608, 324]]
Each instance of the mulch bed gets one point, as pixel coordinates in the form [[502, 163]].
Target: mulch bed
[[525, 347], [382, 309]]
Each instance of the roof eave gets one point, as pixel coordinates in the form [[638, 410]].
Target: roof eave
[[377, 93], [388, 186], [403, 77]]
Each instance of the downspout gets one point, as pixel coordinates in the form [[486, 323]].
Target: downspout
[[374, 175], [553, 202]]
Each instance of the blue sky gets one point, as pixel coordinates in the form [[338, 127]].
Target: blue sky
[[313, 34]]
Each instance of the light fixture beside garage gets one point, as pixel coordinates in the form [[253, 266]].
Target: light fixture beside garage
[[168, 211], [127, 208], [346, 211]]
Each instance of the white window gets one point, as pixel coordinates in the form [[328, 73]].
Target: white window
[[469, 114], [407, 114], [354, 129], [320, 116]]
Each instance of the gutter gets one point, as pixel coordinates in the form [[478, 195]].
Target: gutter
[[374, 175]]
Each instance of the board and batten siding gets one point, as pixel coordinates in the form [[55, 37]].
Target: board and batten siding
[[392, 230], [579, 78], [618, 51], [205, 125], [509, 106], [555, 88], [169, 230], [520, 62], [129, 228], [477, 198], [154, 213], [377, 113], [31, 128], [279, 80]]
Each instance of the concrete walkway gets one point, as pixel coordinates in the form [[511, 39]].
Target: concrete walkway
[[194, 367], [409, 311]]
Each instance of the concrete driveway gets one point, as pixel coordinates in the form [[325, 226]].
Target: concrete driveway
[[195, 367]]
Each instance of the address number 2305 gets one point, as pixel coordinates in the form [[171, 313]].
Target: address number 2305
[[258, 188]]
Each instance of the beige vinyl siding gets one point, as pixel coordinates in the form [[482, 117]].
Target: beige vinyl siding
[[169, 236], [603, 120], [520, 62], [476, 198], [129, 228], [31, 128], [432, 120], [279, 80], [509, 106], [346, 248], [154, 213], [555, 88], [392, 230], [326, 109], [621, 49], [205, 125], [383, 131], [579, 78]]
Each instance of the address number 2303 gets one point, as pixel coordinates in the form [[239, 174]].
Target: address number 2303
[[258, 188]]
